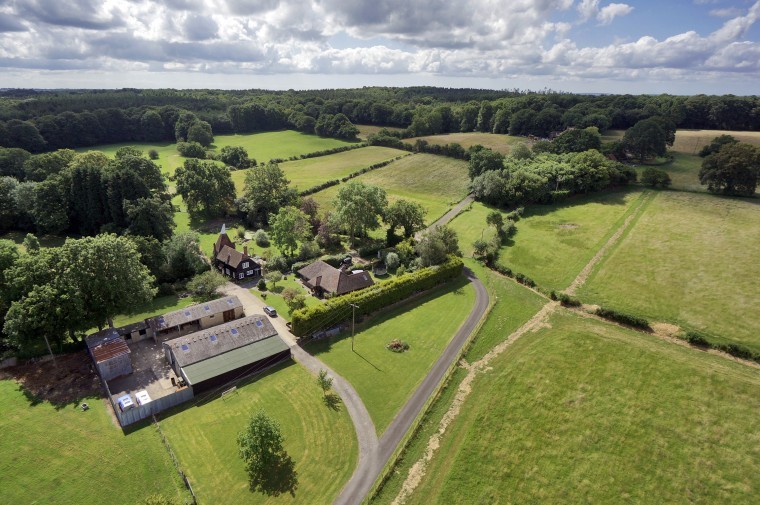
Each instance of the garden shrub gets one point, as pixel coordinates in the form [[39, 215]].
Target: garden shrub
[[397, 345], [567, 300], [298, 265], [262, 285], [261, 238], [698, 339], [279, 263]]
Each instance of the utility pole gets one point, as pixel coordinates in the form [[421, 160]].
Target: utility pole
[[353, 323]]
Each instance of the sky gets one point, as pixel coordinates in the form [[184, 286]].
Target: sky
[[679, 47]]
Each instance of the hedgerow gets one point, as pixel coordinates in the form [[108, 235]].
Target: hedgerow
[[623, 318]]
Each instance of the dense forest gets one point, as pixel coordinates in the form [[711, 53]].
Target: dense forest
[[40, 121]]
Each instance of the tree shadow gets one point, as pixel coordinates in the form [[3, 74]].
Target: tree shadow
[[332, 401], [281, 477]]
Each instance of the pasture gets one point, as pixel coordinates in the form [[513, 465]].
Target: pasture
[[583, 411], [385, 379], [554, 242], [321, 441], [691, 259], [278, 144], [435, 182], [56, 455], [365, 130], [307, 173], [496, 141]]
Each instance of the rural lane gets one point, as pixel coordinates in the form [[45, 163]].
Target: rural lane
[[374, 453], [451, 214]]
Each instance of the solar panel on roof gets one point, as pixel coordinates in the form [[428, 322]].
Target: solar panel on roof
[[229, 300], [161, 319], [212, 338], [259, 323], [207, 308], [234, 331], [187, 313], [185, 347]]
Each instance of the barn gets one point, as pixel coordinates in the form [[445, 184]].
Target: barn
[[110, 353], [213, 357], [194, 318]]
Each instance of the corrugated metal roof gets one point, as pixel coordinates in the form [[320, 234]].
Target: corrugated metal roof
[[109, 350], [199, 346], [232, 360], [193, 313], [101, 337]]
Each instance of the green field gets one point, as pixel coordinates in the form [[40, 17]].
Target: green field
[[54, 455], [435, 182], [691, 259], [365, 130], [273, 296], [304, 174], [263, 147], [554, 242], [586, 412], [321, 441], [385, 379], [470, 226], [498, 142]]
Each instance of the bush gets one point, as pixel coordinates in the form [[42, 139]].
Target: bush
[[335, 310], [191, 150], [567, 300], [240, 230], [309, 249], [506, 271], [397, 345], [261, 238], [166, 289], [623, 318], [336, 260], [516, 214], [370, 249], [320, 187], [655, 177], [698, 339], [279, 263], [737, 350], [153, 154], [262, 285], [392, 261], [298, 265]]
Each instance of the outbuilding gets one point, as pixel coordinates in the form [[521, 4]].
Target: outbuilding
[[194, 318], [110, 353]]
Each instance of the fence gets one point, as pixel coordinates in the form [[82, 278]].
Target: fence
[[174, 459], [139, 412]]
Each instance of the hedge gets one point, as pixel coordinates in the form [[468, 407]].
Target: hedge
[[623, 318], [699, 339], [336, 310]]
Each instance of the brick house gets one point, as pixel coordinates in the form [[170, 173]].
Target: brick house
[[231, 262]]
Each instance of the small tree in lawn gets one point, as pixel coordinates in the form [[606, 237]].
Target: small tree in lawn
[[270, 469], [324, 381], [273, 277], [294, 299], [205, 286]]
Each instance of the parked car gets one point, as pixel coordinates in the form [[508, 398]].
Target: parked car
[[270, 311]]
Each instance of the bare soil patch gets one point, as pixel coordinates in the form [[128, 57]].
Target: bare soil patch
[[63, 382]]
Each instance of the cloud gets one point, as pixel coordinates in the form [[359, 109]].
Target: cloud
[[588, 8], [611, 11], [728, 12], [197, 27], [10, 24], [88, 14]]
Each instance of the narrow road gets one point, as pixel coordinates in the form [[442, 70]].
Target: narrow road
[[366, 474], [451, 214]]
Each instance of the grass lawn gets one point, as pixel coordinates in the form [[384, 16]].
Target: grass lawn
[[58, 456], [157, 306], [386, 379], [498, 142], [365, 130], [683, 171], [273, 296], [691, 259], [586, 412], [435, 182], [554, 242], [265, 146], [471, 225], [304, 174], [320, 440]]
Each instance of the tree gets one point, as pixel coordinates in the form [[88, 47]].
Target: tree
[[654, 177], [289, 226], [733, 170], [191, 150], [715, 145], [294, 299], [12, 161], [266, 190], [50, 209], [41, 166], [151, 126], [273, 277], [436, 245], [261, 238], [235, 156], [205, 286], [205, 187], [483, 160], [358, 207], [270, 469], [184, 258], [392, 261], [200, 132], [324, 381], [495, 219], [8, 212], [405, 214], [577, 141], [646, 139], [150, 217], [31, 243]]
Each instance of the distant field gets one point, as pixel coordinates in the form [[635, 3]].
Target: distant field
[[498, 142], [691, 259], [683, 171], [553, 242], [304, 174], [365, 130], [386, 379], [70, 456], [692, 141], [280, 144], [321, 441], [436, 182], [586, 412]]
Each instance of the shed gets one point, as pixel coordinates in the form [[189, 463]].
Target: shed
[[110, 353], [194, 318]]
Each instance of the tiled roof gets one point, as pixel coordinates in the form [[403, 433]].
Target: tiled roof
[[332, 280], [231, 257]]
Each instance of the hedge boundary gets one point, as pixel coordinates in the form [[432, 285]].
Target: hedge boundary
[[308, 320]]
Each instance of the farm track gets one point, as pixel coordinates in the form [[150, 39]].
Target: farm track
[[451, 214]]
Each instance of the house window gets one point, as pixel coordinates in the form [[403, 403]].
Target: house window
[[143, 331], [241, 276], [245, 265], [249, 272]]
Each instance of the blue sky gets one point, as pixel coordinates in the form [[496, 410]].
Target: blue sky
[[679, 47]]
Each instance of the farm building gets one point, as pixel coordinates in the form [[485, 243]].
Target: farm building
[[323, 279], [231, 262], [215, 356], [194, 318], [110, 353]]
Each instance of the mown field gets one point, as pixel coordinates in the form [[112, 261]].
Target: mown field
[[279, 144], [321, 441], [365, 130], [691, 259], [498, 142], [435, 182], [273, 295], [304, 174], [583, 411], [54, 455], [386, 379]]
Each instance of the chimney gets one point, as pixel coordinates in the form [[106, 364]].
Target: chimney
[[245, 250]]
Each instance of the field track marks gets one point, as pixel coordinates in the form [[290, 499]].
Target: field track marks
[[417, 471], [583, 275]]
